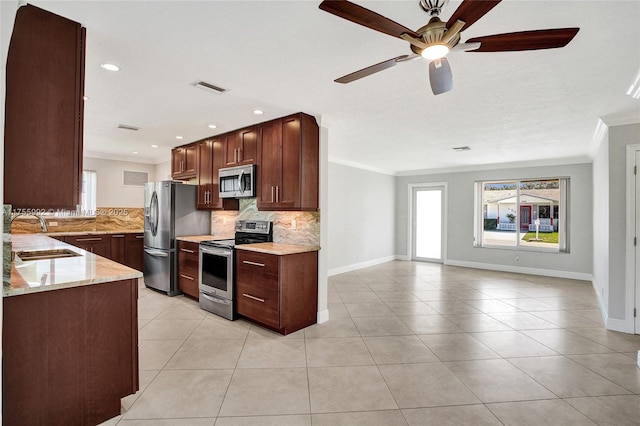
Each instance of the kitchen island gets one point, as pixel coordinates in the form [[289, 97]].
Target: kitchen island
[[70, 336]]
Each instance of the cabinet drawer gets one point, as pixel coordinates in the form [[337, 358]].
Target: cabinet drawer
[[89, 239], [188, 283], [133, 237], [258, 303], [251, 260], [188, 258]]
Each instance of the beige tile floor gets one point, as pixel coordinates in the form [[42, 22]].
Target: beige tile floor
[[407, 344]]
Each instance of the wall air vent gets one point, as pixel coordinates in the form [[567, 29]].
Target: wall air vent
[[134, 178], [208, 87], [461, 148], [127, 127]]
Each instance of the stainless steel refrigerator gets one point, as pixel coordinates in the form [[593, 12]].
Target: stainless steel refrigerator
[[169, 212]]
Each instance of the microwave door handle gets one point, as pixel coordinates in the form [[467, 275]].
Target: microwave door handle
[[241, 182]]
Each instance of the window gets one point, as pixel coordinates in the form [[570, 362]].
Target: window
[[524, 214], [88, 196]]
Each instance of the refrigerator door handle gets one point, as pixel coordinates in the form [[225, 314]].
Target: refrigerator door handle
[[153, 214], [156, 253]]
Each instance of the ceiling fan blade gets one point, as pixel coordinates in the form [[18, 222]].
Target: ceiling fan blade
[[360, 15], [440, 76], [470, 11], [364, 72], [525, 40]]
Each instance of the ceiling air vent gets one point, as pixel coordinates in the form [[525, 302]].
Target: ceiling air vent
[[127, 127], [461, 148], [208, 87]]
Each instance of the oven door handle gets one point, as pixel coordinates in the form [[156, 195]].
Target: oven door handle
[[215, 299]]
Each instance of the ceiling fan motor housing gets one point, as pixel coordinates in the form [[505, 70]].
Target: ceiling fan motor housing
[[433, 33]]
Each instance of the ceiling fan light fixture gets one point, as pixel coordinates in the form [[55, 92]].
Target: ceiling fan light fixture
[[435, 51]]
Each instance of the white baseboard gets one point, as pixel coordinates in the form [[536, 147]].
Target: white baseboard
[[356, 266], [601, 305], [617, 325], [521, 270], [323, 316]]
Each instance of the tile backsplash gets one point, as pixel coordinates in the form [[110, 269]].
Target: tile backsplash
[[307, 224], [115, 219]]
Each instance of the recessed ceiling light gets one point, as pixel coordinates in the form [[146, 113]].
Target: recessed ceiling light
[[258, 111], [154, 146], [134, 152], [179, 137], [110, 67], [212, 126]]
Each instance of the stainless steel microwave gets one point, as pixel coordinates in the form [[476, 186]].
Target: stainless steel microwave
[[237, 182]]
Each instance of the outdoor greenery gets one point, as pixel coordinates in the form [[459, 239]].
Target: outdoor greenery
[[546, 237], [490, 224]]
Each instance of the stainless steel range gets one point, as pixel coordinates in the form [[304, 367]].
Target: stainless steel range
[[217, 266]]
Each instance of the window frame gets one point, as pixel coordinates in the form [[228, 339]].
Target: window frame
[[564, 183]]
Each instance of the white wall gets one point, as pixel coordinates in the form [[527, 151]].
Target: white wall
[[460, 249], [110, 191], [619, 138], [600, 232], [162, 171], [360, 218]]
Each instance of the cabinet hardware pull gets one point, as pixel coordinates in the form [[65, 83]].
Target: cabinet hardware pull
[[272, 200], [117, 236], [253, 297], [89, 239], [253, 263], [277, 194], [139, 236], [187, 277], [239, 155], [187, 250]]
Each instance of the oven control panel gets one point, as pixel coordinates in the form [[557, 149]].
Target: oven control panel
[[253, 226]]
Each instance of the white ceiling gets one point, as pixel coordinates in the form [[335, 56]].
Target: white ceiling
[[282, 57]]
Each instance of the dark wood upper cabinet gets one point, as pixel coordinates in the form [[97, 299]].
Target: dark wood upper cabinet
[[184, 160], [44, 111], [240, 147], [210, 160], [288, 163]]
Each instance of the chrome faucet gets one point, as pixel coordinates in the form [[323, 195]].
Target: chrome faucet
[[43, 223]]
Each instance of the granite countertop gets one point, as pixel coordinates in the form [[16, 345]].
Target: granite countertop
[[279, 249], [53, 274]]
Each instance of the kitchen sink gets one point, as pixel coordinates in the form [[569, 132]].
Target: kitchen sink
[[46, 254]]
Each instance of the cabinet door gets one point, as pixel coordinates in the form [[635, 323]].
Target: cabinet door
[[289, 190], [190, 161], [177, 162], [240, 147], [269, 163], [102, 249], [118, 248], [205, 174], [248, 146], [231, 147], [134, 251], [44, 111], [188, 268]]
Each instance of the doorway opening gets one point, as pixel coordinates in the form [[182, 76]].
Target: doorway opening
[[428, 230]]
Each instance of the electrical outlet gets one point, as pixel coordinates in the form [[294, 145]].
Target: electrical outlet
[[517, 259], [53, 223], [294, 225]]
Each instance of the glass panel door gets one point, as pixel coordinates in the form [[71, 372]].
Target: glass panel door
[[428, 220]]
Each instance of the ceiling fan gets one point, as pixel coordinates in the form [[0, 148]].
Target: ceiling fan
[[434, 40]]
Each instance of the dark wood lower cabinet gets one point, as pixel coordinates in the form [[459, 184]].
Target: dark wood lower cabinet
[[69, 355], [188, 268], [134, 251], [278, 292]]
